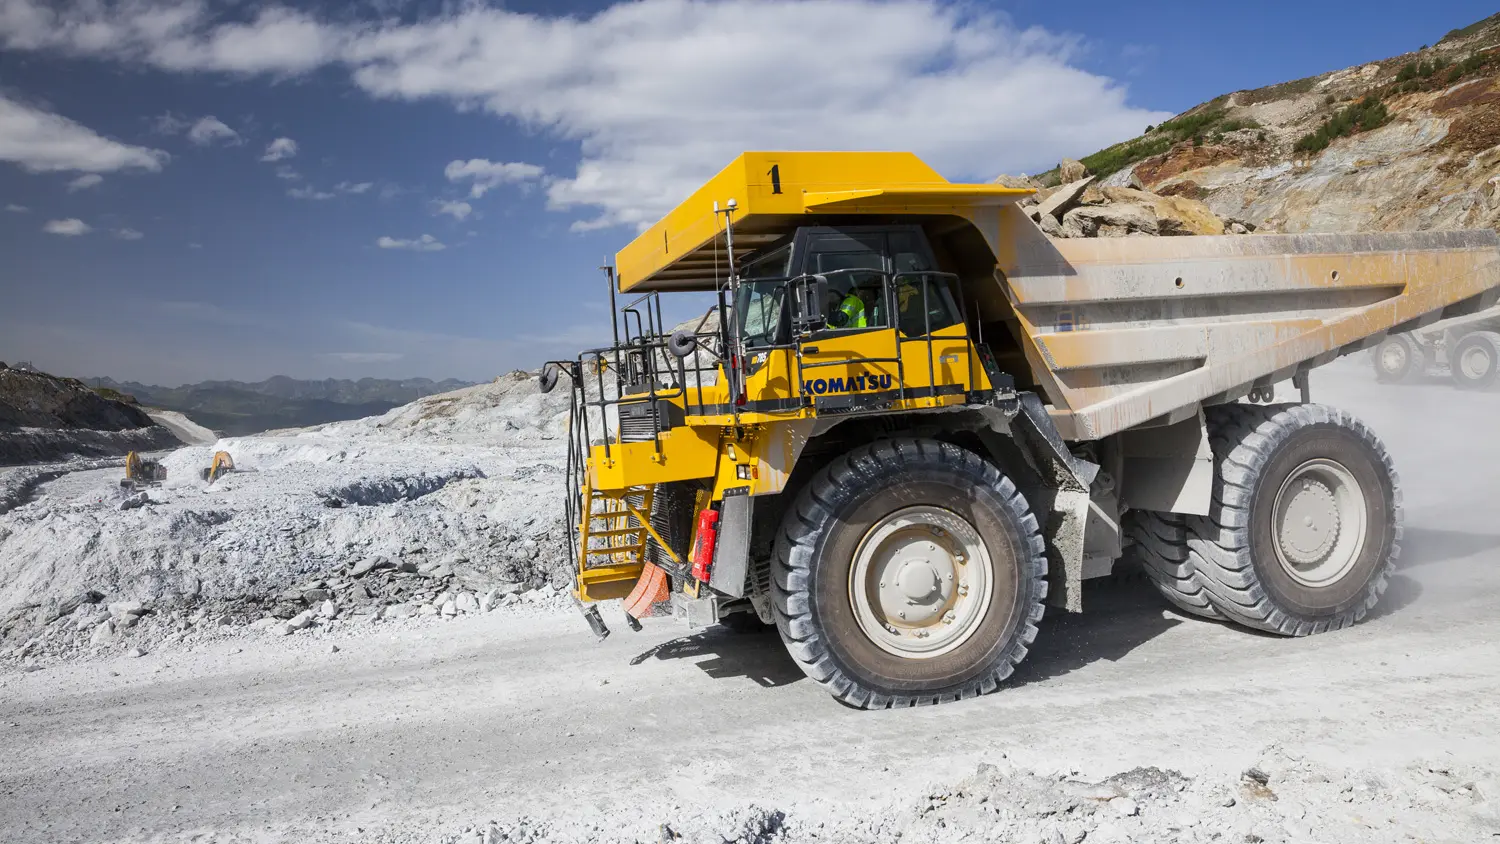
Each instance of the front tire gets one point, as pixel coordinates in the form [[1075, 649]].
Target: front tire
[[1305, 523], [1475, 361], [906, 572]]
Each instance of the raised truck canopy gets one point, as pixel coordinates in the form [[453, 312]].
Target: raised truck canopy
[[774, 193]]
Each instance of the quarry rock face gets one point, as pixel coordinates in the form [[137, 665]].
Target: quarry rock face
[[1410, 143]]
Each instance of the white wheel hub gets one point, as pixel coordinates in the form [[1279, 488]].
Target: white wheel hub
[[1475, 363], [920, 584], [1318, 525], [1393, 357]]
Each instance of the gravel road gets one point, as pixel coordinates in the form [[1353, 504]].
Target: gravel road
[[492, 728]]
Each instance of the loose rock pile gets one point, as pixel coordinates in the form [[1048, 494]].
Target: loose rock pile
[[1083, 207], [448, 506]]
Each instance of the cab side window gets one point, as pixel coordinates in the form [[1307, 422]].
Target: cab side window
[[919, 306], [855, 268]]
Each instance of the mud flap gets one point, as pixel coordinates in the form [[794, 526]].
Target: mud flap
[[651, 588], [732, 547], [1063, 502]]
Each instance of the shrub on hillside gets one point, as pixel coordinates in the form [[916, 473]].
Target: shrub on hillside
[[1369, 113]]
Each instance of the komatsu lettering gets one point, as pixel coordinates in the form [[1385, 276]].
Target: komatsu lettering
[[852, 384]]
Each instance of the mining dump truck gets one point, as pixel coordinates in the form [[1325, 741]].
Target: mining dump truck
[[1467, 346], [908, 421]]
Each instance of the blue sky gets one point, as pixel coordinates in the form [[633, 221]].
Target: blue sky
[[194, 190]]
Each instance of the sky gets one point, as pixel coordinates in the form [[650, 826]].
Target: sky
[[198, 190]]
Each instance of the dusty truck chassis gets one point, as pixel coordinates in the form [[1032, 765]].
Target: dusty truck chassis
[[1467, 346], [911, 421]]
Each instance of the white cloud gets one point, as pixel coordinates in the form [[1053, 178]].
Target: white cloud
[[365, 357], [285, 172], [279, 149], [17, 209], [209, 129], [456, 210], [84, 182], [71, 227], [661, 94], [128, 234], [169, 123], [484, 175], [425, 243], [40, 141], [353, 187], [308, 192]]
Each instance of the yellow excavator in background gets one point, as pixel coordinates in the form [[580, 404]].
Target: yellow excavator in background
[[223, 464], [141, 472]]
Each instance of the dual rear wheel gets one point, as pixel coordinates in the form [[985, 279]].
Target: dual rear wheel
[[911, 571], [1303, 529]]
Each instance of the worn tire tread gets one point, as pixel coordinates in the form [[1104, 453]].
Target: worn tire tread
[[815, 508]]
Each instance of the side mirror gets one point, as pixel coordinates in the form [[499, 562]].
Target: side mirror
[[548, 380], [808, 296], [682, 343]]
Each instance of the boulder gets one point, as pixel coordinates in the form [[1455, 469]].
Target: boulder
[[369, 564], [124, 608], [1071, 171], [1061, 201], [467, 603], [1009, 181], [1050, 226], [1108, 221], [1176, 215]]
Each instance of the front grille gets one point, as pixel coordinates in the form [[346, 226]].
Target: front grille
[[636, 429], [672, 517], [637, 425]]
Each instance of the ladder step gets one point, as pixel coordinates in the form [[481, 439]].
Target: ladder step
[[628, 531], [617, 549]]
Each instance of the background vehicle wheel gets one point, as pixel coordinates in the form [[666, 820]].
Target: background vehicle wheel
[[1160, 545], [1305, 522], [1475, 360], [906, 572], [1398, 359]]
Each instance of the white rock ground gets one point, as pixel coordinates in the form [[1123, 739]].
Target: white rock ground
[[1128, 723], [462, 490]]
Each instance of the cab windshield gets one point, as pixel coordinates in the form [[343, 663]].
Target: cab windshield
[[759, 307], [759, 312]]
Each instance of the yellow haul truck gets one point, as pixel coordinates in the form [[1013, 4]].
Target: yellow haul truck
[[912, 420]]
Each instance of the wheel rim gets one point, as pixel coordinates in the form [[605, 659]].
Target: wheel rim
[[1319, 523], [1475, 363], [921, 582], [1393, 357]]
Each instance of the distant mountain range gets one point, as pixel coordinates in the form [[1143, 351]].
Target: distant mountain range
[[238, 408]]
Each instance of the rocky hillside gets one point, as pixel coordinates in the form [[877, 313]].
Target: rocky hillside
[[43, 417], [240, 408], [1408, 143]]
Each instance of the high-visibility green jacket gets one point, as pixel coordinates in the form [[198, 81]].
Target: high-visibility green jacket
[[853, 309]]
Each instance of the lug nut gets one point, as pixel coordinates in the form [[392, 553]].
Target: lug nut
[[948, 617]]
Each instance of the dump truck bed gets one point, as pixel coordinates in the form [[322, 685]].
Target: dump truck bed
[[1122, 331]]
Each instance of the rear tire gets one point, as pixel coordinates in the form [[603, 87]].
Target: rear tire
[[1475, 361], [924, 528], [1305, 523], [1160, 545], [1398, 359]]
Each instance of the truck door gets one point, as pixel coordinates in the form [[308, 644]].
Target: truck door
[[852, 359]]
